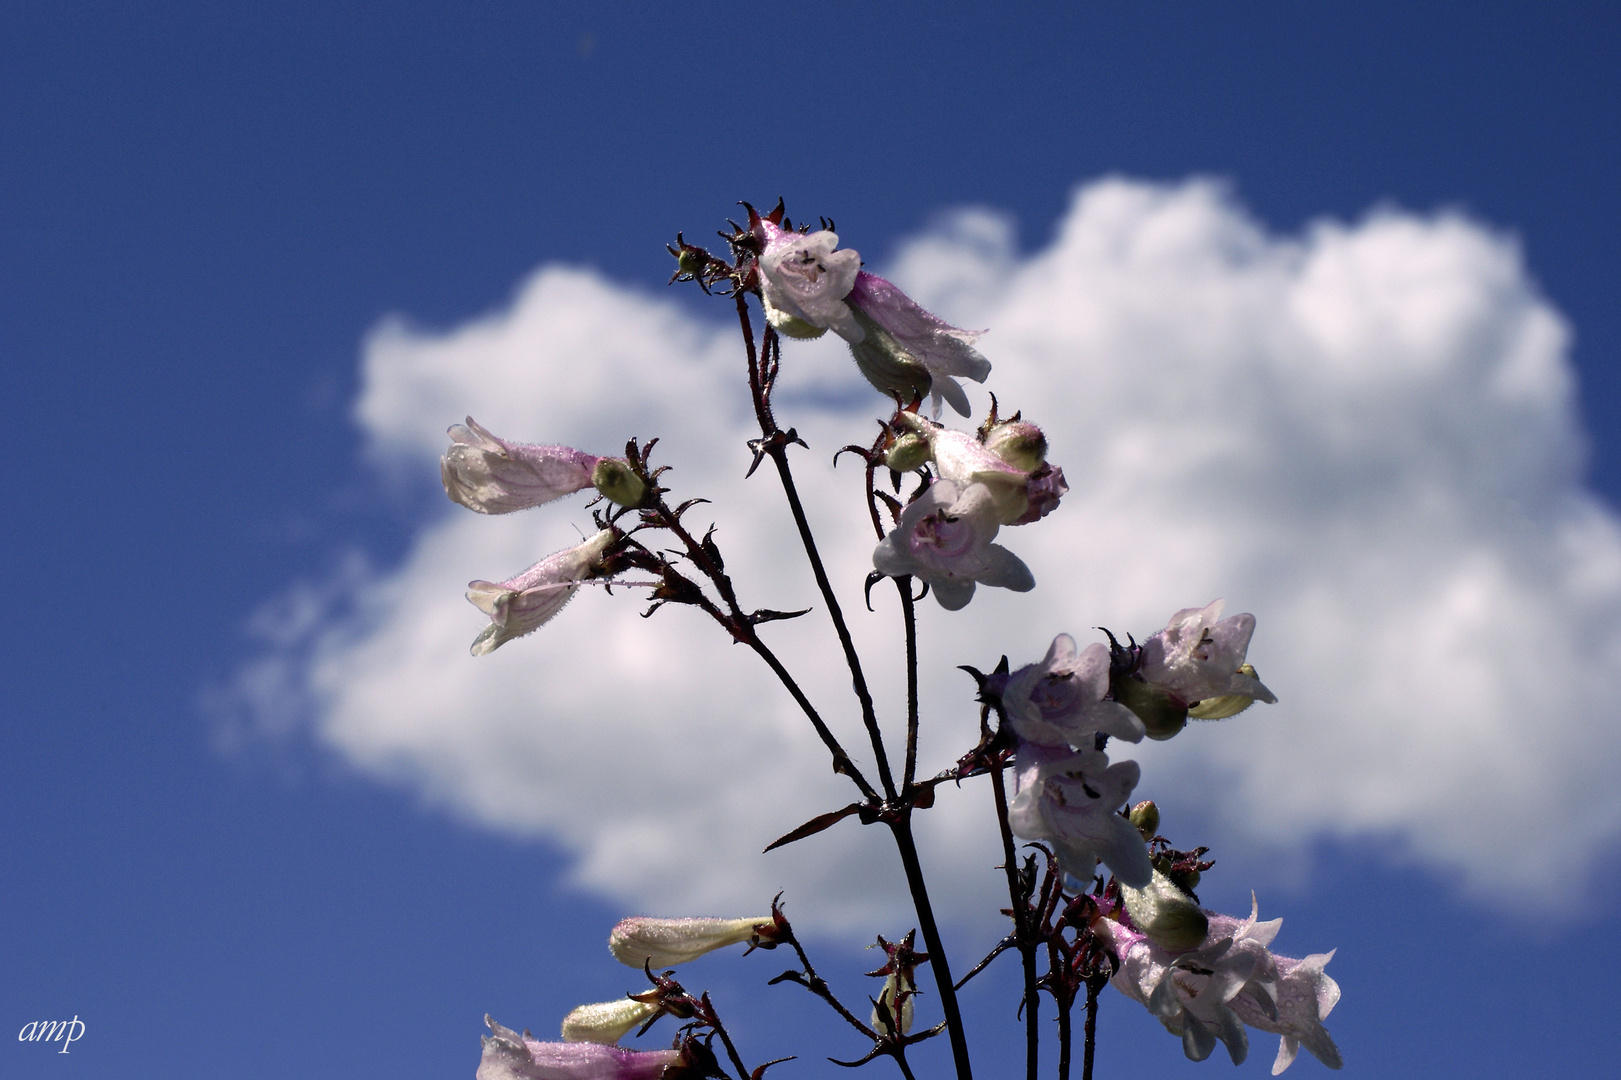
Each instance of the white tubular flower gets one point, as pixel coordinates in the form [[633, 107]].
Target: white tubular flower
[[807, 288], [1231, 980], [944, 537], [904, 349], [662, 943], [803, 281], [511, 1056], [1060, 701], [492, 476], [606, 1022], [520, 605], [1071, 800], [1198, 658]]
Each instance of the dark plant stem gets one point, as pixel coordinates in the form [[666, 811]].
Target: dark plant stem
[[1024, 937], [858, 680], [1093, 985], [720, 1029], [902, 830], [737, 623], [909, 614], [761, 374], [1064, 1041]]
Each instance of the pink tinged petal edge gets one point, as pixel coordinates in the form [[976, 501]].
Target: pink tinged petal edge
[[511, 1056], [525, 603], [489, 475]]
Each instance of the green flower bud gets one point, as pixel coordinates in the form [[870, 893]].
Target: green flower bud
[[1019, 444], [1160, 713], [908, 452], [1166, 914], [1145, 815], [617, 483]]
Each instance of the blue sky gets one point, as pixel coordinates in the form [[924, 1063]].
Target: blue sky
[[206, 214]]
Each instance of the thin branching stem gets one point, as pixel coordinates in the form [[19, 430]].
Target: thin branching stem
[[1092, 987], [902, 829], [818, 986], [1064, 1005], [720, 1029], [741, 629], [1024, 936], [909, 616], [773, 444]]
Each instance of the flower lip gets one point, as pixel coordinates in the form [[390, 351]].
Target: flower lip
[[523, 604], [944, 537]]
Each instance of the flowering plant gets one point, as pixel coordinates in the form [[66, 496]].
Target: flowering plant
[[1100, 896]]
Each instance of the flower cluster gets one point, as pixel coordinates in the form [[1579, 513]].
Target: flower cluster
[[1114, 904], [1062, 710], [944, 536], [807, 288], [489, 475], [1229, 979]]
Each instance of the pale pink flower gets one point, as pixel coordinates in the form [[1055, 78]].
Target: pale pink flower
[[1021, 490], [807, 287], [1231, 980], [492, 476], [1060, 701], [944, 537], [803, 281], [1072, 801], [1196, 657], [898, 337], [511, 1056], [520, 605]]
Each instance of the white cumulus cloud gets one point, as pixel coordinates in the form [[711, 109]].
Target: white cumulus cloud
[[1365, 434]]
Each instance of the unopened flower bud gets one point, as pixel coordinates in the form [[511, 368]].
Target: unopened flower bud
[[606, 1022], [1018, 443], [1220, 708], [1166, 914], [900, 1016], [617, 483], [908, 452], [1162, 715], [691, 260], [662, 943], [1145, 815]]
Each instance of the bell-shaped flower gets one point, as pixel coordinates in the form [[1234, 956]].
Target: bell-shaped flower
[[903, 349], [1199, 656], [803, 281], [1061, 701], [944, 537], [1231, 980], [662, 943], [1072, 801], [607, 1022], [520, 605], [1022, 490], [807, 287], [492, 476], [511, 1056]]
